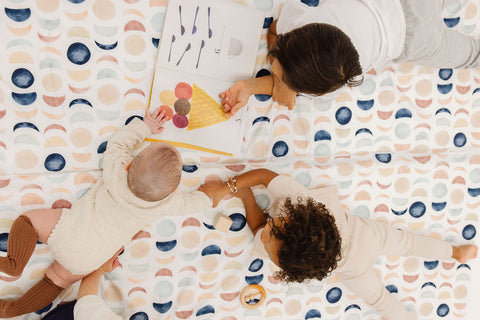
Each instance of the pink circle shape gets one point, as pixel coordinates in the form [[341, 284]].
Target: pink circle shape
[[180, 121], [183, 91]]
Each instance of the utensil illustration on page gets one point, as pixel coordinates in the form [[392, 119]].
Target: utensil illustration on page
[[184, 51], [200, 52], [210, 37], [171, 44], [194, 29], [196, 42], [209, 29], [182, 28]]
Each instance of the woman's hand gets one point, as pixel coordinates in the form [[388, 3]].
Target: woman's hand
[[89, 284], [236, 97], [282, 94], [155, 120], [216, 190], [112, 263]]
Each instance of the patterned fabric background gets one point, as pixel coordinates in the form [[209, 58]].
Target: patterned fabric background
[[403, 148]]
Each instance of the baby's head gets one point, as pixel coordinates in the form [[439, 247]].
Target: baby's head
[[304, 242], [155, 172], [317, 58]]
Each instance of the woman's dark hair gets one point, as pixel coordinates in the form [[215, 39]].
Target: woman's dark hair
[[311, 242], [317, 58]]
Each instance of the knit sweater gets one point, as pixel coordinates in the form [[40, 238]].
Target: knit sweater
[[109, 214]]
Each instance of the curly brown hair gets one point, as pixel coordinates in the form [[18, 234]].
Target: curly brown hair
[[311, 241]]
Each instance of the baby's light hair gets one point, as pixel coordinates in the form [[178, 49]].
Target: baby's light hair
[[155, 172]]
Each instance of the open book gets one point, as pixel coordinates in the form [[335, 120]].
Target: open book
[[206, 46]]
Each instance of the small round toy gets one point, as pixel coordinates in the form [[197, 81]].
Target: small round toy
[[252, 296]]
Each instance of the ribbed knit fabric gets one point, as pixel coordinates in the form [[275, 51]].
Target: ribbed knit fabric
[[38, 297], [21, 243]]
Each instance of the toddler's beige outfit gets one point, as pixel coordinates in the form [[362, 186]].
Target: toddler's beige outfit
[[362, 242]]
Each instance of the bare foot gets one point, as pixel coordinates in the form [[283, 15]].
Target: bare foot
[[464, 253]]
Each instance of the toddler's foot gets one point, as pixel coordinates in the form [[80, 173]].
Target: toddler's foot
[[464, 253]]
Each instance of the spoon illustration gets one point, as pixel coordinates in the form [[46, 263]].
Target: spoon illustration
[[194, 29], [182, 28], [186, 49], [200, 52], [171, 44], [209, 29]]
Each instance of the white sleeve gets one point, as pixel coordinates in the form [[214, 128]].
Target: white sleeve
[[285, 186], [184, 203], [93, 307], [294, 15], [120, 148]]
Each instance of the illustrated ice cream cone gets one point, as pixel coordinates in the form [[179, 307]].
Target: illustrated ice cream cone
[[205, 111]]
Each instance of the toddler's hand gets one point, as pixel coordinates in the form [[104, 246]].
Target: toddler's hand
[[235, 97], [215, 190], [155, 120]]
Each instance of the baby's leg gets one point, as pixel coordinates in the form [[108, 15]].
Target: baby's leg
[[370, 288], [44, 220], [61, 276], [21, 243], [36, 298], [40, 295], [25, 230]]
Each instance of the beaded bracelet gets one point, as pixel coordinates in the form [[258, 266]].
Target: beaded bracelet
[[232, 184]]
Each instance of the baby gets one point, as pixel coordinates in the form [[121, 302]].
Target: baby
[[309, 236], [133, 192]]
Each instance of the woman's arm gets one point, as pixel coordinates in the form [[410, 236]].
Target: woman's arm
[[217, 190], [89, 284], [235, 97], [89, 305], [254, 215]]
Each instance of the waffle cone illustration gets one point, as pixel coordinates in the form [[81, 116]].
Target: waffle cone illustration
[[205, 111]]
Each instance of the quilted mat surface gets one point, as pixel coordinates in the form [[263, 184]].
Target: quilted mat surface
[[403, 148]]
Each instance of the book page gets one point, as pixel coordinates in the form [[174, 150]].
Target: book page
[[211, 37], [195, 116]]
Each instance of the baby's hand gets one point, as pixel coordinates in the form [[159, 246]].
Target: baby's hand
[[155, 120], [235, 98]]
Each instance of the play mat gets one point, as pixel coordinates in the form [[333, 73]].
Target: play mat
[[403, 148]]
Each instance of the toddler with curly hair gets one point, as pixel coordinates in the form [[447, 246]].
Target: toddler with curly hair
[[308, 235]]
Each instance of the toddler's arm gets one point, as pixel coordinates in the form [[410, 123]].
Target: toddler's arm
[[217, 190], [255, 218]]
